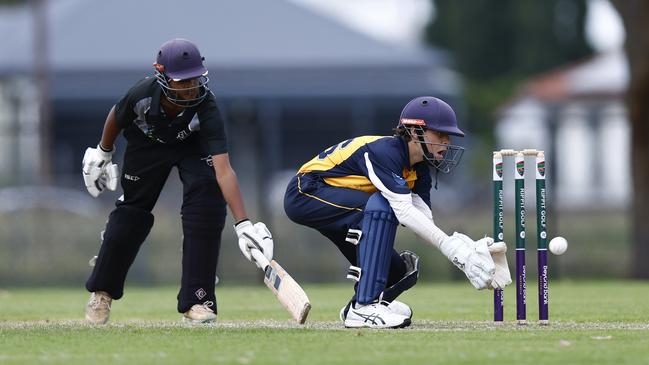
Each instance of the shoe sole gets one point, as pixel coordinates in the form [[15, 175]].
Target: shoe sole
[[197, 321], [91, 321], [403, 324]]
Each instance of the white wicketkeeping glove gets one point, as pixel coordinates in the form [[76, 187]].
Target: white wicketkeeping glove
[[498, 251], [99, 172], [472, 257], [254, 236]]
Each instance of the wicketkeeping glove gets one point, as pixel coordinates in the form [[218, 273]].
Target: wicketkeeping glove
[[498, 251], [254, 236], [99, 172], [472, 257]]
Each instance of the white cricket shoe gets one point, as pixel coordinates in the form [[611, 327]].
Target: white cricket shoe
[[400, 308], [200, 313], [375, 315], [98, 307], [395, 306]]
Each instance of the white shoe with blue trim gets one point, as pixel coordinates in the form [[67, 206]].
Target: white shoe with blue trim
[[375, 315]]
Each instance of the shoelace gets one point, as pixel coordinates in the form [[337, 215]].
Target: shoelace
[[98, 299], [206, 306]]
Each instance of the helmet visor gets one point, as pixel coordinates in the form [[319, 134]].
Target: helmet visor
[[450, 158], [185, 96], [445, 160]]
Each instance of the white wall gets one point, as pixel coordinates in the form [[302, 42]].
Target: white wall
[[592, 151]]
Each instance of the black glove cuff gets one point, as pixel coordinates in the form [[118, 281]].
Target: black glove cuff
[[103, 149], [241, 221]]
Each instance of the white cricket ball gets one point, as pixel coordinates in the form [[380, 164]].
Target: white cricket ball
[[558, 245]]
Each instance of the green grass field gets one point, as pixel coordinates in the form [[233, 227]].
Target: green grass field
[[592, 323]]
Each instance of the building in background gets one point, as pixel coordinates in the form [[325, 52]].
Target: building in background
[[290, 81], [577, 114]]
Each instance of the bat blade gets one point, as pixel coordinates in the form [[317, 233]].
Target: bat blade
[[287, 290]]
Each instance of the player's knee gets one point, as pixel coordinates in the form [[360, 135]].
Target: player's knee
[[128, 226], [378, 204], [203, 197], [292, 210]]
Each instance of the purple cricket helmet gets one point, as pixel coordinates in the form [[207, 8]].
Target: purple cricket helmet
[[179, 59], [430, 113]]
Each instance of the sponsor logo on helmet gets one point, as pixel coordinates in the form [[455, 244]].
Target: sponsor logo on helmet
[[541, 168], [408, 121]]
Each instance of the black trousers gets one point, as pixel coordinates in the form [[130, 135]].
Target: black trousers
[[146, 167]]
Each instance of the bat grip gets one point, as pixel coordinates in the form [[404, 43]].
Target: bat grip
[[259, 258]]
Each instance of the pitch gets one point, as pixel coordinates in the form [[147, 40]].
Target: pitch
[[591, 323]]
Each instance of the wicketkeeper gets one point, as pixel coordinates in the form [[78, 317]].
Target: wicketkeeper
[[170, 119], [357, 192]]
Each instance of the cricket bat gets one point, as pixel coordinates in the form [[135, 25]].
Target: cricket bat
[[286, 289]]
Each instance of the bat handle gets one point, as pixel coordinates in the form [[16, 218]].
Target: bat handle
[[259, 258]]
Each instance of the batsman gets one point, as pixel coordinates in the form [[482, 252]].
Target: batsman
[[169, 119], [357, 192]]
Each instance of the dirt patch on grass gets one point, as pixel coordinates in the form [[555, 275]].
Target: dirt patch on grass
[[418, 325]]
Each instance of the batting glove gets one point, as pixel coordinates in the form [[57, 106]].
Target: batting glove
[[99, 172], [255, 236]]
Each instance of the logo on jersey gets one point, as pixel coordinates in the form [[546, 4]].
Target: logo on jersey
[[398, 179], [131, 177], [208, 160], [183, 134]]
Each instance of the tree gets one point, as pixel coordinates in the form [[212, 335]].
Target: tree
[[635, 16], [497, 44]]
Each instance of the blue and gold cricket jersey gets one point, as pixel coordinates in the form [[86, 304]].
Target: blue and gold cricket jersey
[[350, 163]]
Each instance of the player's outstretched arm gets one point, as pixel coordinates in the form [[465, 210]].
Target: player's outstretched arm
[[472, 257], [250, 235]]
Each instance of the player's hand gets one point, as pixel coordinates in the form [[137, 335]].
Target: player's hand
[[267, 243], [502, 276], [254, 236], [99, 172], [472, 257]]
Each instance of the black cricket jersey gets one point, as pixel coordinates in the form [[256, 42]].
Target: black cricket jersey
[[350, 163], [141, 108]]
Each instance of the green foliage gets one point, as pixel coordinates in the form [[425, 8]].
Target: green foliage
[[492, 39], [592, 323], [498, 44], [11, 2]]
